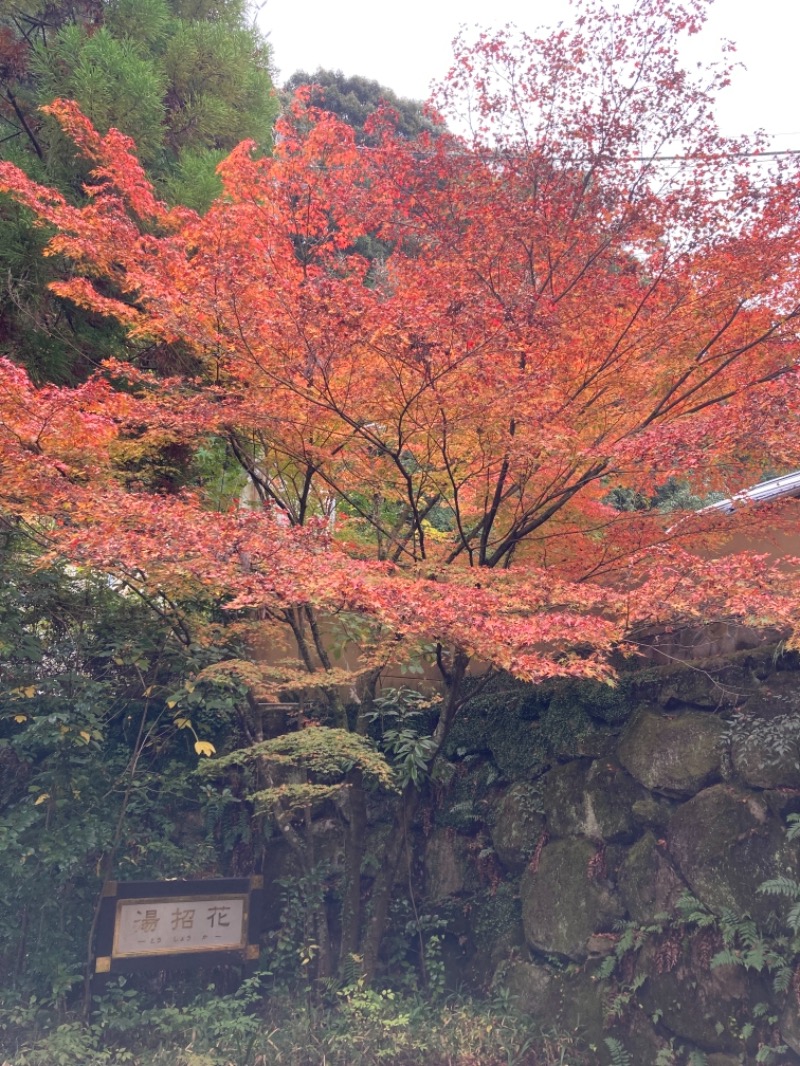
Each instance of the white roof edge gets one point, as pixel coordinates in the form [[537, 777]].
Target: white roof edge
[[774, 489]]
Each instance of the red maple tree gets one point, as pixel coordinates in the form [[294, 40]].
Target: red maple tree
[[591, 294]]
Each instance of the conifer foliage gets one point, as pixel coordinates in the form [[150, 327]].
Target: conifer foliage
[[186, 81]]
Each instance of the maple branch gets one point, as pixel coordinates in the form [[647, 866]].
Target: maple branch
[[529, 523], [732, 357], [440, 663], [355, 504], [172, 617], [610, 359], [401, 542], [413, 494], [456, 502], [774, 375], [358, 429], [334, 702], [663, 406], [308, 479], [324, 658], [468, 536], [262, 484], [296, 626], [495, 505]]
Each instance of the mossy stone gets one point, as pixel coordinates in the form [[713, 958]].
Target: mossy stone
[[577, 1008], [563, 903], [448, 871], [706, 1006], [570, 1003], [653, 812], [568, 731], [573, 1004], [563, 797], [726, 842], [594, 800], [638, 1036], [527, 727], [700, 689], [610, 704], [518, 826], [504, 722], [676, 756], [648, 882], [378, 840], [766, 755], [529, 986]]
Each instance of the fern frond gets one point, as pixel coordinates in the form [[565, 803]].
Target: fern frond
[[793, 918], [619, 1056], [780, 886], [726, 957], [782, 978], [607, 967]]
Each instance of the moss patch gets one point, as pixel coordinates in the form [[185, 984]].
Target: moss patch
[[726, 842], [563, 903]]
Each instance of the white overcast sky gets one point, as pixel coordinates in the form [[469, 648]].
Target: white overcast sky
[[405, 45]]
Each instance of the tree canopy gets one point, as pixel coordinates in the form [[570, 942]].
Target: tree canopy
[[432, 445], [354, 99]]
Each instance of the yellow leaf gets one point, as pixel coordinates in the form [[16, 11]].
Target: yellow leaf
[[183, 723], [41, 799], [20, 718], [29, 692], [172, 701], [86, 736], [189, 686], [203, 747]]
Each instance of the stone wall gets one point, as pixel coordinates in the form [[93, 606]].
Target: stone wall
[[597, 849]]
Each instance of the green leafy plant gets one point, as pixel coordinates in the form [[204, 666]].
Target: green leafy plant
[[697, 1058], [291, 948], [401, 718], [619, 1056]]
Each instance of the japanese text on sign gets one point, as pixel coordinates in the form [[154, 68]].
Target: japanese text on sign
[[151, 926]]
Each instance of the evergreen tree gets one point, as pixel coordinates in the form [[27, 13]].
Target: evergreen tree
[[354, 99], [187, 79]]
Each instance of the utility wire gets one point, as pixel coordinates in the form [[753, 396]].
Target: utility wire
[[500, 154]]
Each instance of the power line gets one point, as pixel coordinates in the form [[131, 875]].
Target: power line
[[501, 154], [711, 158]]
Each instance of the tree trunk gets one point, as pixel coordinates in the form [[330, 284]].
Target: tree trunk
[[354, 844], [384, 882]]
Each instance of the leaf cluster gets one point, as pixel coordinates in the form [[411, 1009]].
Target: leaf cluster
[[323, 757]]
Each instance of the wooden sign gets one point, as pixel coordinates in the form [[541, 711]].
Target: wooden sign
[[154, 925]]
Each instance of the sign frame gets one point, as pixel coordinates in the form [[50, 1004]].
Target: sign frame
[[109, 960]]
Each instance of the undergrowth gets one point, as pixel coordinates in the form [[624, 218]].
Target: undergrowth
[[351, 1026]]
